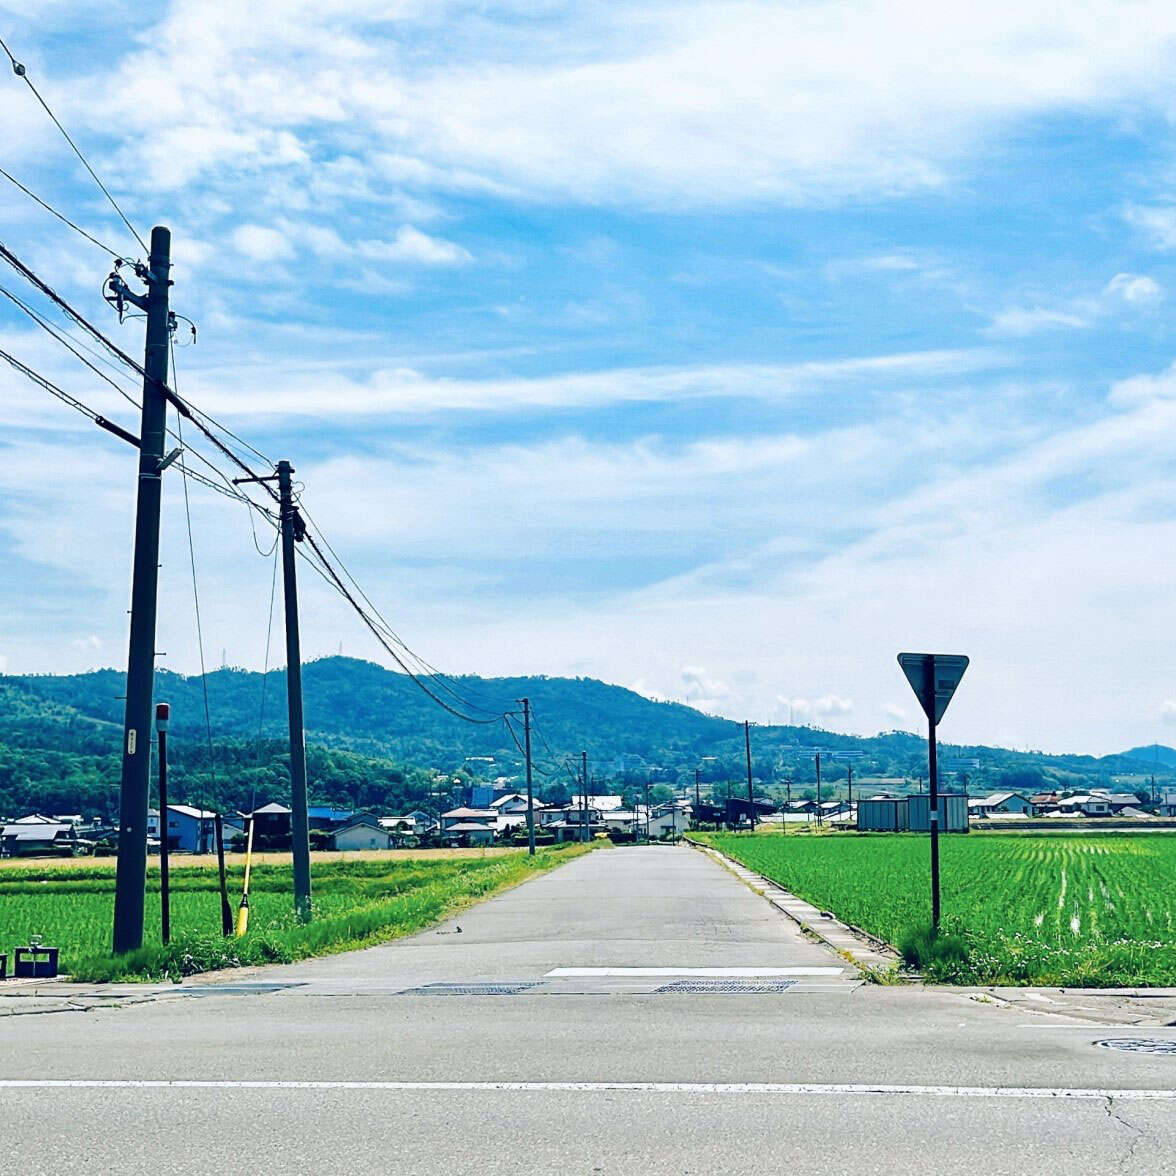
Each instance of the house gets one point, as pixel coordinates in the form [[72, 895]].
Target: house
[[668, 820], [32, 838], [469, 826], [1085, 805], [404, 824], [1168, 805], [190, 830], [320, 816], [271, 827], [568, 824], [511, 808], [363, 832], [1004, 804], [600, 803]]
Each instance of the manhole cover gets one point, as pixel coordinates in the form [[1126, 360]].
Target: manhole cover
[[236, 989], [499, 988], [746, 987], [1144, 1045]]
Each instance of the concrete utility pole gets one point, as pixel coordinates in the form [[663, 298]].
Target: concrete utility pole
[[584, 791], [292, 532], [750, 793], [697, 789], [131, 869], [162, 714], [530, 792], [849, 782], [818, 760]]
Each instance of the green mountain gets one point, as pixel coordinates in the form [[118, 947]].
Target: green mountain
[[375, 739]]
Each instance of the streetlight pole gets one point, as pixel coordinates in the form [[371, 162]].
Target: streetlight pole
[[530, 791]]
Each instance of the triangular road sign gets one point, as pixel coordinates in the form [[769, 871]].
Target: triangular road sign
[[934, 678]]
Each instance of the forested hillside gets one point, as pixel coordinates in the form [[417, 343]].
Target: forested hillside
[[376, 740]]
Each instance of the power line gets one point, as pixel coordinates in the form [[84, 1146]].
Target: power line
[[195, 589], [60, 215], [21, 72]]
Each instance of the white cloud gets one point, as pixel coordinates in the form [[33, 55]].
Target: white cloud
[[666, 105], [413, 246], [1158, 223], [1134, 288], [1140, 389], [309, 389], [1168, 710], [825, 707], [893, 711], [262, 244], [1019, 322]]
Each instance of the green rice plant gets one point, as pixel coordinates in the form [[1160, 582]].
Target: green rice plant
[[1082, 909], [355, 904]]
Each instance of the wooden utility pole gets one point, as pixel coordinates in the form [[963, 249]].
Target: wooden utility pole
[[131, 868]]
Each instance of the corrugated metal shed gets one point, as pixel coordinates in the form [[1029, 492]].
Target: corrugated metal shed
[[953, 813], [882, 816]]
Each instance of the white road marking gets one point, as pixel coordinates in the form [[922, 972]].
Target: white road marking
[[763, 1088], [729, 972]]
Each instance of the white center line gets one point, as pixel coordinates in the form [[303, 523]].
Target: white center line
[[760, 1088], [737, 972]]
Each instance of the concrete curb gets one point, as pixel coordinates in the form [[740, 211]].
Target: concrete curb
[[861, 949]]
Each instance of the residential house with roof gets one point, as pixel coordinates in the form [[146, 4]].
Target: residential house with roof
[[363, 832], [190, 829], [469, 826], [39, 838]]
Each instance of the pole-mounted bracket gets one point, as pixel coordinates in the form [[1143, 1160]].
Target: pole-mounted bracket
[[171, 457]]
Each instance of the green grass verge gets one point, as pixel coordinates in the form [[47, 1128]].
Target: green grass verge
[[355, 904], [1071, 910]]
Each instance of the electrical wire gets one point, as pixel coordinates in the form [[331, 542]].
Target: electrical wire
[[60, 215], [21, 72], [195, 594], [49, 386]]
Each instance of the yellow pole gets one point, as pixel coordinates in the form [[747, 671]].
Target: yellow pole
[[243, 909]]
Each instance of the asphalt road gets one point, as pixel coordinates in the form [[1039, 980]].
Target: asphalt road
[[330, 1066]]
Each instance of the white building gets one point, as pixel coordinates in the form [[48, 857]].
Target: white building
[[363, 832]]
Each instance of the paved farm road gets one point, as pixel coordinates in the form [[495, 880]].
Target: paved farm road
[[603, 1070]]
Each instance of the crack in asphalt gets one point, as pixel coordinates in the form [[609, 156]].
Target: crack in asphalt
[[1137, 1136]]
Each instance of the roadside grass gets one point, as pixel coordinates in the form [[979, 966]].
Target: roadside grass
[[356, 903], [1056, 909]]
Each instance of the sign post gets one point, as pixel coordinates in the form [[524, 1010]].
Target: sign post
[[934, 678]]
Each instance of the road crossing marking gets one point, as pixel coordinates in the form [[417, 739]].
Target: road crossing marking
[[724, 972], [1060, 1093]]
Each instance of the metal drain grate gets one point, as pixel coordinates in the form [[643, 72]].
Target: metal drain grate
[[495, 988], [747, 987], [1143, 1045]]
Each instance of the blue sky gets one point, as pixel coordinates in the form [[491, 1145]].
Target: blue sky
[[716, 349]]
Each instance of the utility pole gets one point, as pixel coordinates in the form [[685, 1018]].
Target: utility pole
[[530, 793], [131, 869], [697, 789], [584, 796], [293, 530], [849, 782], [162, 713], [750, 794], [818, 787], [647, 837]]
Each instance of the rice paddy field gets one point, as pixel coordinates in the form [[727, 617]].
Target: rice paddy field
[[1080, 910], [70, 904]]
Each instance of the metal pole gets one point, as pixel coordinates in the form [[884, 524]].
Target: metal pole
[[750, 794], [933, 802], [162, 712], [226, 910], [299, 822], [530, 792], [131, 870], [849, 783]]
